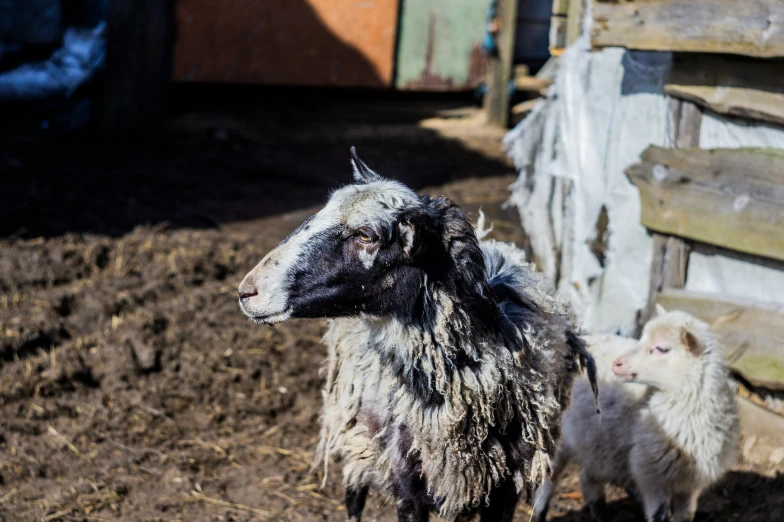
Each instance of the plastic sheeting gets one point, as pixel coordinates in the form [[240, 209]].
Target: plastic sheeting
[[604, 109]]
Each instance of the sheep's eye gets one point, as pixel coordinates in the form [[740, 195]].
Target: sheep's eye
[[364, 238], [662, 350]]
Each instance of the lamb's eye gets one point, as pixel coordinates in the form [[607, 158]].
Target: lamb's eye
[[364, 238], [661, 349]]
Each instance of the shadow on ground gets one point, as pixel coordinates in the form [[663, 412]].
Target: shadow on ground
[[226, 158], [739, 496]]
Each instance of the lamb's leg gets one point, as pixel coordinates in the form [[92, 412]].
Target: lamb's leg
[[545, 491], [503, 501], [684, 506], [657, 507], [355, 502], [593, 496]]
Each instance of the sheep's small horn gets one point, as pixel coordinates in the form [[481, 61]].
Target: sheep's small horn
[[362, 173]]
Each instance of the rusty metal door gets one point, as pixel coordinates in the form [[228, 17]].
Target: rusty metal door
[[288, 42]]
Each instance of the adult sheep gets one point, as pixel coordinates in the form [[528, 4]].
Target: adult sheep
[[449, 363]]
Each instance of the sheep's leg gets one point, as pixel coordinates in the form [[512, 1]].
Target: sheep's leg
[[412, 510], [503, 501], [412, 499], [545, 491], [355, 502], [593, 496], [684, 506]]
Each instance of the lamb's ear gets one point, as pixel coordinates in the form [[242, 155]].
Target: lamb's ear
[[690, 341], [660, 310], [362, 173]]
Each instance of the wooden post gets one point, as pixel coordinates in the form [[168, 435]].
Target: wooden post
[[138, 63], [671, 254], [574, 22], [499, 67]]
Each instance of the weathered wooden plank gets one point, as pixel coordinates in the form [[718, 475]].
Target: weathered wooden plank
[[752, 333], [727, 197], [669, 263], [730, 85], [749, 27], [687, 130], [757, 421]]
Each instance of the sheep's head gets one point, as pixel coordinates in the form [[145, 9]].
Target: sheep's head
[[670, 352], [369, 250]]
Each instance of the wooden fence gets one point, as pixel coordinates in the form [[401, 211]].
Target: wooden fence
[[728, 61]]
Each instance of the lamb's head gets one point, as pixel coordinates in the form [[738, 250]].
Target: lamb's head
[[370, 250], [672, 352]]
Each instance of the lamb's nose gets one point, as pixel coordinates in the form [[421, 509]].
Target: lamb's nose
[[618, 367]]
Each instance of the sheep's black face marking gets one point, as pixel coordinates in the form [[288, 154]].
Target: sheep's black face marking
[[348, 272]]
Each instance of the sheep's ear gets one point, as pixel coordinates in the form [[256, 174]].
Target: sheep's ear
[[660, 310], [416, 234], [362, 173], [407, 237], [690, 341]]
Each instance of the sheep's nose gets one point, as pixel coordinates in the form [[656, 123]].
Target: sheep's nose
[[619, 368], [244, 296], [247, 290]]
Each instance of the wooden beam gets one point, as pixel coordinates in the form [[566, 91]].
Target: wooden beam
[[670, 258], [687, 124], [138, 63], [730, 85], [669, 266], [574, 23], [727, 197], [751, 333], [499, 67], [749, 27]]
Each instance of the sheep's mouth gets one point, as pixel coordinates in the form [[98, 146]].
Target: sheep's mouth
[[273, 318]]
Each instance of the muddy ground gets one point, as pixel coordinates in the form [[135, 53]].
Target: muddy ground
[[131, 386]]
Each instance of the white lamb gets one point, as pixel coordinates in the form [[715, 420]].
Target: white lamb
[[664, 438]]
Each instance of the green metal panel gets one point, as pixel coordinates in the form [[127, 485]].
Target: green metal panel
[[440, 46]]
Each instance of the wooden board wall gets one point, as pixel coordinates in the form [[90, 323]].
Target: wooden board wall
[[727, 197], [288, 42], [750, 27]]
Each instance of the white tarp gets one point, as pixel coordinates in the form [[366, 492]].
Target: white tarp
[[604, 109]]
